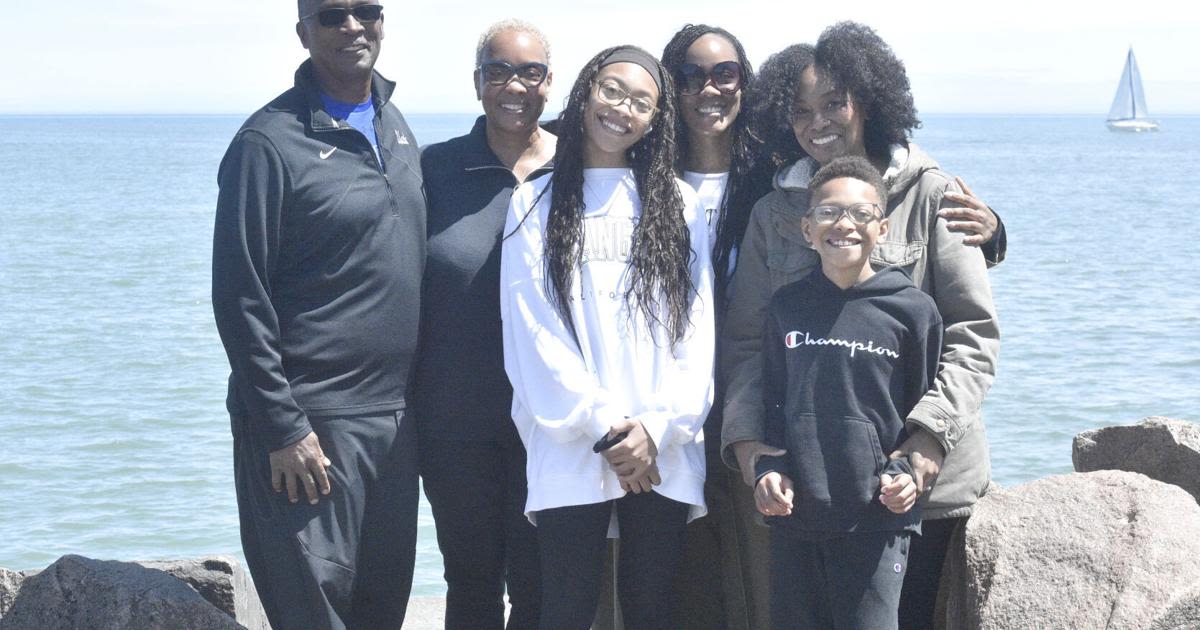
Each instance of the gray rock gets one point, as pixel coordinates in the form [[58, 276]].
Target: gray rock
[[1184, 613], [1160, 448], [221, 581], [1108, 549], [80, 593], [10, 587]]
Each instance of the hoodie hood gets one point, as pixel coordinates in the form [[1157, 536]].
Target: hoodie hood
[[885, 282], [907, 164]]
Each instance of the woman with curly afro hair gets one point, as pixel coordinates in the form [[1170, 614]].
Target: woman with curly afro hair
[[850, 96], [725, 553], [607, 308]]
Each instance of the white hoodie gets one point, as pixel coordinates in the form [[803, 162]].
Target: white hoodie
[[568, 393]]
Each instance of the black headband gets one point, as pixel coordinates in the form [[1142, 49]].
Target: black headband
[[632, 54]]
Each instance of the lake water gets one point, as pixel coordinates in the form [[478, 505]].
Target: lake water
[[112, 423]]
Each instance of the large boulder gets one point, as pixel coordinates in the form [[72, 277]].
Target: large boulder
[[78, 593], [221, 581], [1160, 448], [1108, 549]]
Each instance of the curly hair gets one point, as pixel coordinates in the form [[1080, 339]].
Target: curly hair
[[770, 107], [747, 181], [659, 281], [852, 166], [858, 61]]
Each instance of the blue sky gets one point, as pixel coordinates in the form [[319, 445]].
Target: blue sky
[[231, 56]]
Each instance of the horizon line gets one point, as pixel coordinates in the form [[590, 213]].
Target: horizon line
[[165, 114]]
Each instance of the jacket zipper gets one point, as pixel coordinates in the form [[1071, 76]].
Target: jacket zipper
[[377, 161]]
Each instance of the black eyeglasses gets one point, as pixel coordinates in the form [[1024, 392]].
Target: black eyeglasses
[[530, 74], [612, 94], [336, 16], [725, 76], [859, 213]]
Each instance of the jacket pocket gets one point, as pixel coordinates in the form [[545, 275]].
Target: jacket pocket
[[836, 461], [789, 265], [898, 253]]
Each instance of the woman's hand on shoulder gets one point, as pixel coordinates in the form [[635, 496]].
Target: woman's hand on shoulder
[[971, 215]]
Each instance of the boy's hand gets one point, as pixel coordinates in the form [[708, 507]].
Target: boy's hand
[[747, 453], [633, 457], [897, 493], [773, 495]]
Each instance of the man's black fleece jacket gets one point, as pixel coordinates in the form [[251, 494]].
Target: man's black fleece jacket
[[318, 253]]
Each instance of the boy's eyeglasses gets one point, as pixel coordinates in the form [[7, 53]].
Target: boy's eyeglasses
[[530, 74], [725, 76], [612, 94], [336, 16], [859, 213]]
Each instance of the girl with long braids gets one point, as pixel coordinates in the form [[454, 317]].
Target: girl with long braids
[[725, 553], [850, 96], [607, 309]]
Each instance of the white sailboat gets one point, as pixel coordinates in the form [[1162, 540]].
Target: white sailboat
[[1128, 111]]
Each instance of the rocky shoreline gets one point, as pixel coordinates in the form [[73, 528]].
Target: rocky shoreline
[[1112, 545]]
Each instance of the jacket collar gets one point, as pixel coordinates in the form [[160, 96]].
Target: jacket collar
[[318, 118], [796, 176], [476, 153]]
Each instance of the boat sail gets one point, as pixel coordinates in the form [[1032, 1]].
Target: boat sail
[[1128, 111]]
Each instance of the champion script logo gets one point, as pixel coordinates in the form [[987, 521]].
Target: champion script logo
[[325, 154], [401, 138], [796, 338]]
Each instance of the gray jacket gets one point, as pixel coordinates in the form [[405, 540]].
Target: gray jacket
[[775, 253]]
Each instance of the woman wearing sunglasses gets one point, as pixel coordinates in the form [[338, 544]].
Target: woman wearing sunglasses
[[608, 341], [725, 552], [472, 461], [850, 96]]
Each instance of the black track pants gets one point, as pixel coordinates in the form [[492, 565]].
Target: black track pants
[[346, 562]]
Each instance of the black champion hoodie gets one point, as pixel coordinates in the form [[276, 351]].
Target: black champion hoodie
[[842, 370]]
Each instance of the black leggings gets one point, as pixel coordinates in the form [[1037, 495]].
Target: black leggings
[[572, 542], [477, 493]]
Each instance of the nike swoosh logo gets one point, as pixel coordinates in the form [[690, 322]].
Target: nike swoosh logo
[[325, 154]]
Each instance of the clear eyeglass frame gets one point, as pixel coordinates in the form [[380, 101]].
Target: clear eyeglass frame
[[612, 94], [859, 213]]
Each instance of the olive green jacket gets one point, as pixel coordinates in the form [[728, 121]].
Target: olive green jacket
[[775, 253]]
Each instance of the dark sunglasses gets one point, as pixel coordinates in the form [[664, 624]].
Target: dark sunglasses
[[364, 13], [530, 74], [725, 76]]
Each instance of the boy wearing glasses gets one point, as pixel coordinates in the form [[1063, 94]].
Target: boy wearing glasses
[[847, 353]]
